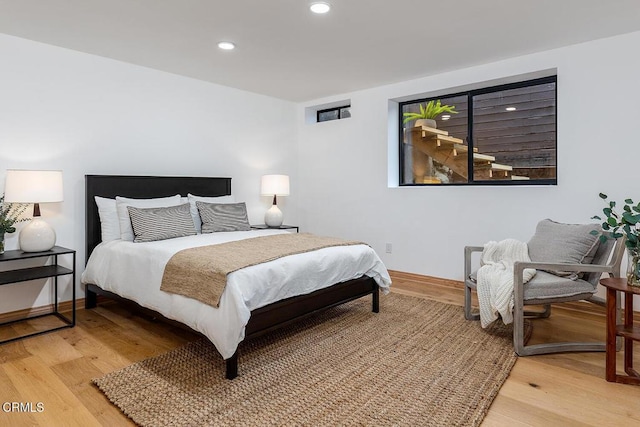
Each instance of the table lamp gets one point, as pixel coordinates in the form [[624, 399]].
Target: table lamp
[[34, 186], [274, 185]]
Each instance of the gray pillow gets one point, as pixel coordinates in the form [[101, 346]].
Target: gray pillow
[[565, 243], [223, 217], [151, 224]]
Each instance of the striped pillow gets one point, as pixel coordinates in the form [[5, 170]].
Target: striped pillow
[[151, 224], [223, 217]]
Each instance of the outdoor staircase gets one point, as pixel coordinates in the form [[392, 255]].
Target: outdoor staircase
[[435, 145]]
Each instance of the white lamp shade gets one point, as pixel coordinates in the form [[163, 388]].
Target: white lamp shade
[[33, 186], [275, 185]]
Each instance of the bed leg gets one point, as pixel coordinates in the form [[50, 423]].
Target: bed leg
[[90, 298], [375, 296], [232, 366]]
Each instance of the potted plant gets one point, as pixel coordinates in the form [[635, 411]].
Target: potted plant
[[428, 113], [9, 215], [625, 224]]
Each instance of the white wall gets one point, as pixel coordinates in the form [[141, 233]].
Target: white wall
[[345, 174], [83, 114]]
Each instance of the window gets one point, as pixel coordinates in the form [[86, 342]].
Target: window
[[497, 135], [334, 113]]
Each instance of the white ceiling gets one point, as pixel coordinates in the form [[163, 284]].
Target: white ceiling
[[285, 51]]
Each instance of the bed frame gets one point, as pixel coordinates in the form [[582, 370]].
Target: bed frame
[[263, 319]]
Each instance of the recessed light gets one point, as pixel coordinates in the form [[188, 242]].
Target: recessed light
[[510, 108], [446, 116], [226, 45], [320, 7]]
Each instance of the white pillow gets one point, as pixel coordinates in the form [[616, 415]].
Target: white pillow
[[109, 222], [126, 232], [194, 209]]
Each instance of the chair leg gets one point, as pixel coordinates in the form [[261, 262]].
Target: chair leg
[[467, 305], [546, 348], [518, 327], [468, 251]]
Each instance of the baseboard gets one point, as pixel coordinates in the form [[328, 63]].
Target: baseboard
[[420, 279], [64, 306]]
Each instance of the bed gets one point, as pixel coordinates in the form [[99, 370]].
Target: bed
[[256, 316]]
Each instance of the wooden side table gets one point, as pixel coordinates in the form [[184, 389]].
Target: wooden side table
[[627, 331]]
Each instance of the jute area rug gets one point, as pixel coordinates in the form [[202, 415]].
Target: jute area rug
[[416, 363]]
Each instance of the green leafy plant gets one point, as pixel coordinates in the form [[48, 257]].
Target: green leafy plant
[[621, 224], [10, 214], [430, 111]]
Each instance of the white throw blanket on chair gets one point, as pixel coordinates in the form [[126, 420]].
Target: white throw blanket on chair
[[495, 279]]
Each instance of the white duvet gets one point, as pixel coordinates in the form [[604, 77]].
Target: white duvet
[[134, 271]]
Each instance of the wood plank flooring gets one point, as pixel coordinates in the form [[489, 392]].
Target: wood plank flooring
[[55, 370]]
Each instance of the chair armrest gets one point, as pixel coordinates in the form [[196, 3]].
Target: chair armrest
[[468, 250], [471, 249], [519, 267]]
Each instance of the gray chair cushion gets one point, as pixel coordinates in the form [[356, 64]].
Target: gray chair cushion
[[548, 287], [563, 243]]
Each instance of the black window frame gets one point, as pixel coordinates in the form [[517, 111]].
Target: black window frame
[[336, 109], [470, 94]]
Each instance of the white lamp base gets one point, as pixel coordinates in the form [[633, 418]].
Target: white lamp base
[[273, 217], [37, 236]]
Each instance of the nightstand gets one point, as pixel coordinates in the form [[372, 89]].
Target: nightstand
[[52, 270], [282, 227], [627, 330]]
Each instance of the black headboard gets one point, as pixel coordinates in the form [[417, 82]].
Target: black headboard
[[142, 187]]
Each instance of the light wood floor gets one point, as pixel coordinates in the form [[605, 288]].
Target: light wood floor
[[56, 368]]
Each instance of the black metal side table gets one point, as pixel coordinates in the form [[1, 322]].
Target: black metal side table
[[51, 270], [282, 227]]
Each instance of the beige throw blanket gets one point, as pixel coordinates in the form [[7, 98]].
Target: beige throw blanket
[[495, 279], [201, 273]]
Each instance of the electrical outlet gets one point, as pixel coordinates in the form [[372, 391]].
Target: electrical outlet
[[389, 248]]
